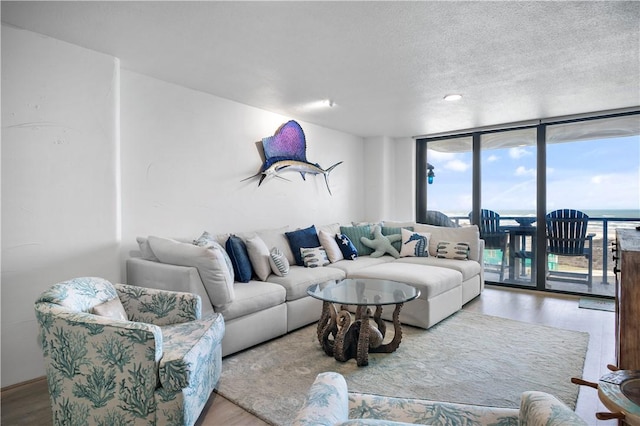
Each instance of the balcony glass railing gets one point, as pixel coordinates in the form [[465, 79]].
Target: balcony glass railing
[[521, 272]]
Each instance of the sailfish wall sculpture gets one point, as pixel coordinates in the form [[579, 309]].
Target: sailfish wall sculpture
[[286, 151]]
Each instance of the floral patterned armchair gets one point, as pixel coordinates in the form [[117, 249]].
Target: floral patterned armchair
[[147, 359], [329, 403]]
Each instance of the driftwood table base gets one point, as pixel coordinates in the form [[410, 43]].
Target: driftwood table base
[[344, 338]]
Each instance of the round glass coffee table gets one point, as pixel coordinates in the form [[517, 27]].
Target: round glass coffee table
[[343, 337]]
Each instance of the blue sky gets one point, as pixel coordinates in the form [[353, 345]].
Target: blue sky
[[591, 174]]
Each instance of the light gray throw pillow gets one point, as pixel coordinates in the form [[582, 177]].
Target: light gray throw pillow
[[210, 263]]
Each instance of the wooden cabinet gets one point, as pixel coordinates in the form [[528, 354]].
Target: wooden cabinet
[[627, 261]]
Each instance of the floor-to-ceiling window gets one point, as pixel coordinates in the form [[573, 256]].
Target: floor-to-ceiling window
[[593, 167], [508, 191], [450, 190], [519, 174]]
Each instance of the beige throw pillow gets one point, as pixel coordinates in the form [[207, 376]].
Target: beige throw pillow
[[259, 256], [330, 246], [111, 309]]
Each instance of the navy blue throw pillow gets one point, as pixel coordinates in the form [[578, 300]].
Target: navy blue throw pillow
[[346, 247], [237, 251], [302, 238]]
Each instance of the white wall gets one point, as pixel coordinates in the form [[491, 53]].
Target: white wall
[[59, 182], [185, 154], [389, 179], [76, 129], [403, 184]]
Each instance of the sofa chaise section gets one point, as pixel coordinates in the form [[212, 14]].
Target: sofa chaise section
[[440, 291]]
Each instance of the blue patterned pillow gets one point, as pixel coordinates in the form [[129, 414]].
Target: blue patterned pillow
[[415, 244], [450, 250], [314, 257], [347, 248], [354, 233], [302, 238], [237, 251]]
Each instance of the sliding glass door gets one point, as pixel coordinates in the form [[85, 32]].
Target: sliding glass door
[[508, 199], [579, 170], [593, 168], [450, 190]]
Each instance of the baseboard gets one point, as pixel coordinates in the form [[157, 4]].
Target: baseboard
[[28, 382]]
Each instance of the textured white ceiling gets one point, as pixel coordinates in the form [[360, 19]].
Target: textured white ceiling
[[386, 65]]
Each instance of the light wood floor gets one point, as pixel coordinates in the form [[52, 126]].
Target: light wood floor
[[28, 404]]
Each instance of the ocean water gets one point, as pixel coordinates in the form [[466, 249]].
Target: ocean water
[[596, 223], [592, 213]]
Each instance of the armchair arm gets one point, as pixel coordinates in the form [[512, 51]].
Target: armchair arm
[[159, 307], [543, 409], [187, 346], [327, 402]]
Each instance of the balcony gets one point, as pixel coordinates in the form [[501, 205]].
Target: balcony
[[518, 271]]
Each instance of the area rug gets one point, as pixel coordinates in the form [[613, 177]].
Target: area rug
[[597, 304], [467, 358]]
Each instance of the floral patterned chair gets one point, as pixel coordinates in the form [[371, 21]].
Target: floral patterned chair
[[119, 354], [329, 403]]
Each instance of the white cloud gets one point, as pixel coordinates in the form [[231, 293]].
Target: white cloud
[[518, 152], [493, 158], [523, 171], [456, 166]]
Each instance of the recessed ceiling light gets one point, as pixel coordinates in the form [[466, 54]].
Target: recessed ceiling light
[[453, 97]]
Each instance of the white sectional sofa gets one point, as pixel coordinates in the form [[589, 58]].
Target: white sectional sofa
[[273, 305]]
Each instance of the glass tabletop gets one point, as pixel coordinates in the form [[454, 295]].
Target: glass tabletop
[[363, 291]]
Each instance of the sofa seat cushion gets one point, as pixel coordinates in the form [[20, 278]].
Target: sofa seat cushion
[[300, 278], [430, 280], [468, 268], [254, 296], [349, 266]]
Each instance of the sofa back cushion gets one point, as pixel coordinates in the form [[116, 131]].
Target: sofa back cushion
[[276, 238], [210, 262]]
